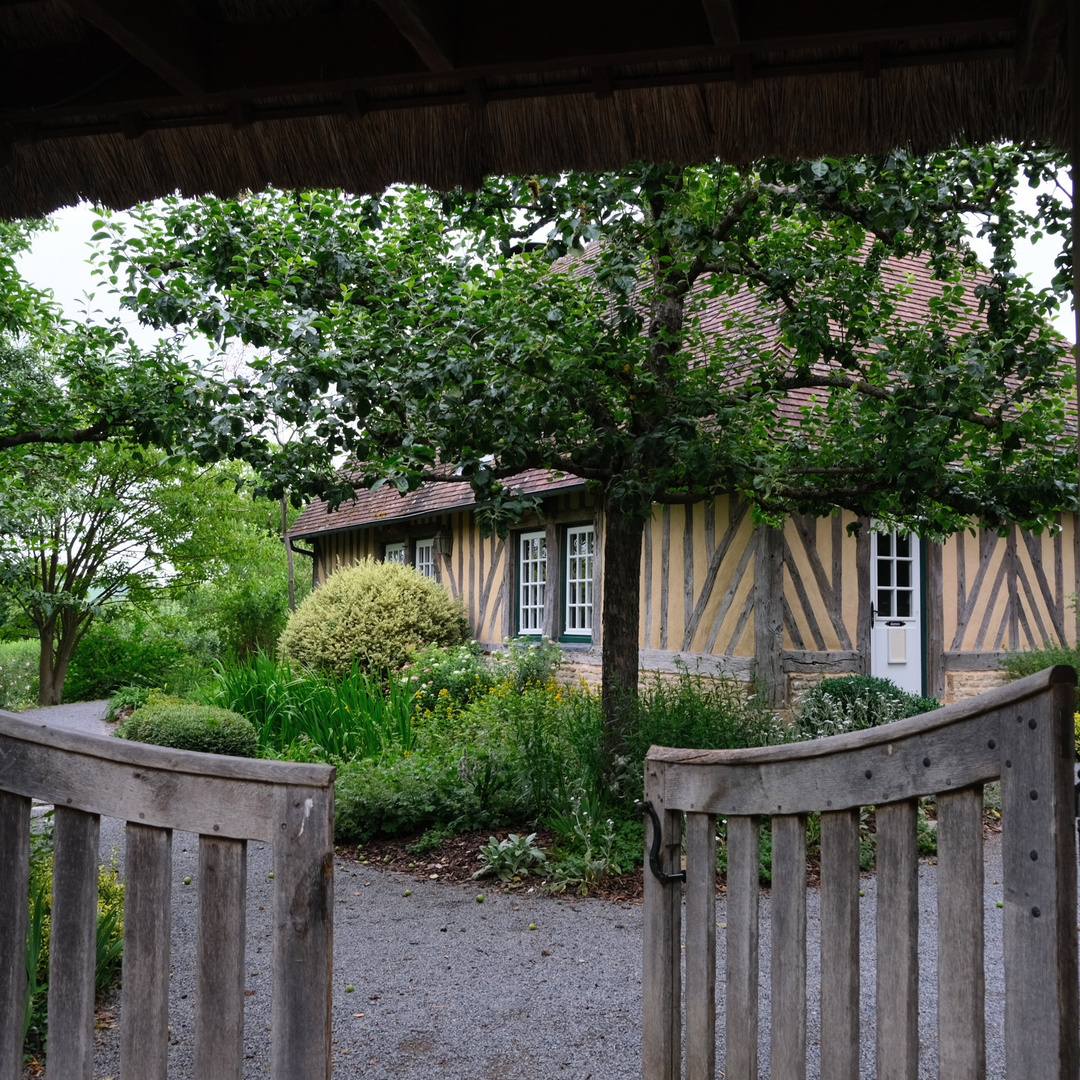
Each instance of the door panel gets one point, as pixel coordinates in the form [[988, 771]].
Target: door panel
[[896, 595]]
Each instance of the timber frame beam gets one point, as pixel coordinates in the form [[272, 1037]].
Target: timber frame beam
[[163, 36]]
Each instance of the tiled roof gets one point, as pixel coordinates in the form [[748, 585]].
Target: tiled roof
[[438, 497], [387, 504]]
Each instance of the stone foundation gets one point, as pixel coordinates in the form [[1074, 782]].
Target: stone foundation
[[965, 684]]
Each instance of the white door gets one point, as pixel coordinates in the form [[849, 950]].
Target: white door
[[896, 626]]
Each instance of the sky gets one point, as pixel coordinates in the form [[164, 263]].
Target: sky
[[58, 261]]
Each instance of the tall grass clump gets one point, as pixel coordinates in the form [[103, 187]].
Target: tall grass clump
[[18, 673], [699, 713], [312, 716]]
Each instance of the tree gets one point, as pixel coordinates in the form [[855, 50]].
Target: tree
[[418, 331], [94, 525]]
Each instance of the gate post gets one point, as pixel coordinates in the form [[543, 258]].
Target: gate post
[[661, 1033], [1039, 862]]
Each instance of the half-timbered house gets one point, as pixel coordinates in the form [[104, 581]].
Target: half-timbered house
[[722, 595]]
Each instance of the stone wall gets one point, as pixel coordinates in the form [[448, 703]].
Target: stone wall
[[965, 684]]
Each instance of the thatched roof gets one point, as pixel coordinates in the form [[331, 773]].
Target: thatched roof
[[118, 101]]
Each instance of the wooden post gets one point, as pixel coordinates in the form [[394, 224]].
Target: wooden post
[[743, 890], [769, 612], [898, 942], [661, 976], [73, 943], [700, 946], [787, 1047], [14, 881], [863, 555], [934, 594], [1038, 849], [961, 976], [144, 1018], [219, 991], [840, 944], [303, 934]]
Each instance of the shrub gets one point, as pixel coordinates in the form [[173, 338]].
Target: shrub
[[192, 727], [854, 702], [402, 796], [18, 673], [373, 614], [126, 651], [526, 662], [697, 713], [1019, 664], [441, 678]]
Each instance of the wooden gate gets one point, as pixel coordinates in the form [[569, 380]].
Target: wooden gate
[[227, 801], [1022, 734]]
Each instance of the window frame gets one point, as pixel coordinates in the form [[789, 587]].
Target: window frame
[[394, 548], [425, 567], [583, 635], [520, 539]]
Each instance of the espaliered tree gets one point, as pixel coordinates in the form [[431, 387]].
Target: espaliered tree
[[560, 322]]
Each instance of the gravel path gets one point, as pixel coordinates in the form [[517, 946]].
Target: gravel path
[[446, 986]]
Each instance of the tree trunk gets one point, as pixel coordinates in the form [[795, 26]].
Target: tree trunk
[[53, 665], [49, 690], [622, 604]]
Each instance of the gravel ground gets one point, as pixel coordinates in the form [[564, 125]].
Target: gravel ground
[[446, 986]]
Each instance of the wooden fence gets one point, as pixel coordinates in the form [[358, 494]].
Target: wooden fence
[[227, 801], [1022, 734]]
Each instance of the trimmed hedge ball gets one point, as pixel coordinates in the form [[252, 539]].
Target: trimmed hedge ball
[[373, 614], [192, 727]]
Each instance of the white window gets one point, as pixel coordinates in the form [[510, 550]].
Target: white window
[[395, 552], [532, 582], [424, 560], [577, 620]]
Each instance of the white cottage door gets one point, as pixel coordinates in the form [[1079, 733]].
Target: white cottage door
[[896, 617]]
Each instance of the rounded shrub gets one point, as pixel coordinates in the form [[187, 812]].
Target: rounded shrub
[[374, 614], [853, 702], [192, 727]]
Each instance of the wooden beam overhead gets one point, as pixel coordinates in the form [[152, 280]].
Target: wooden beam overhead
[[426, 24], [1041, 32], [163, 36], [723, 16]]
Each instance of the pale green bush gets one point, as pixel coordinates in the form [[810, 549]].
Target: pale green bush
[[373, 614]]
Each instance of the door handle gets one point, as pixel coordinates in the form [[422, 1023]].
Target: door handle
[[872, 614]]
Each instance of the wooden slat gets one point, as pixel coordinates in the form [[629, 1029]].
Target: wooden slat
[[144, 1018], [207, 793], [661, 976], [1038, 848], [856, 777], [700, 947], [741, 990], [961, 978], [303, 935], [897, 942], [14, 881], [73, 943], [788, 1042], [840, 945], [219, 993]]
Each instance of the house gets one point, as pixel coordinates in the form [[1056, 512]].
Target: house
[[935, 618], [717, 594]]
